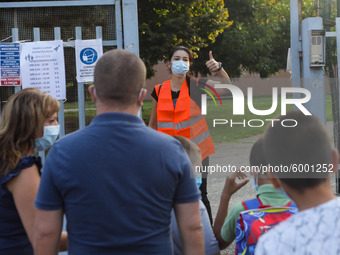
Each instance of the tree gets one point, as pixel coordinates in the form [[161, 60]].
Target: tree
[[259, 38], [165, 24]]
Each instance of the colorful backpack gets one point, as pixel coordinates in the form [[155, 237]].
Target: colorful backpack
[[256, 220]]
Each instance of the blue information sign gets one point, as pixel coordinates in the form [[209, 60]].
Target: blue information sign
[[88, 56], [10, 64]]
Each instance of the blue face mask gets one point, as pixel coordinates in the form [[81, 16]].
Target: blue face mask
[[47, 140], [180, 67], [198, 181], [281, 190]]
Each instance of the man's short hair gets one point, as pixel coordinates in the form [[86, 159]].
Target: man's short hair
[[297, 152], [119, 76]]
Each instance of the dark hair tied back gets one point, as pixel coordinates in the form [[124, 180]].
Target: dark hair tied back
[[173, 50]]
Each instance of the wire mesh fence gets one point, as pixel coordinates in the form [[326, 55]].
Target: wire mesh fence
[[67, 18]]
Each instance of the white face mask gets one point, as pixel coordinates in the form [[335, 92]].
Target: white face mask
[[47, 140], [255, 181], [180, 67]]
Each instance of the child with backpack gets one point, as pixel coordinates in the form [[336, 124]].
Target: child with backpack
[[235, 225], [316, 228]]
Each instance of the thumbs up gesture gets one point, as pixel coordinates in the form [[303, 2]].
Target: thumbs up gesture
[[212, 64]]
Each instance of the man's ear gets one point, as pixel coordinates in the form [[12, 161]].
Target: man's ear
[[274, 180], [141, 97], [335, 160], [92, 93]]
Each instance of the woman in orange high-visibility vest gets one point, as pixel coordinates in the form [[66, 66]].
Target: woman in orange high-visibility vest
[[176, 107]]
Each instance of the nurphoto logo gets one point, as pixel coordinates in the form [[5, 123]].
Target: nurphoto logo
[[238, 105]]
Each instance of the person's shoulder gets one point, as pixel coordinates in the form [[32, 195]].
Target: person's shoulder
[[167, 142], [325, 210], [337, 201], [237, 208], [160, 84], [70, 138], [159, 137], [28, 161], [25, 162]]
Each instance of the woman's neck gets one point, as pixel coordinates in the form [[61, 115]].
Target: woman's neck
[[29, 152], [176, 82]]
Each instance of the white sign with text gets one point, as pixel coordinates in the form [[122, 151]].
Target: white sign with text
[[43, 67]]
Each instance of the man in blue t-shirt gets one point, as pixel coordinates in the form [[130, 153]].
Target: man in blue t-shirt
[[117, 180]]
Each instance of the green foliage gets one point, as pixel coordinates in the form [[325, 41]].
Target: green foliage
[[258, 39], [255, 38], [165, 24]]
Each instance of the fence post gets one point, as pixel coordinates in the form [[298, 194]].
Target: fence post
[[61, 119], [99, 32], [119, 27], [81, 100], [61, 116], [313, 77], [36, 38], [295, 46], [15, 38], [130, 29]]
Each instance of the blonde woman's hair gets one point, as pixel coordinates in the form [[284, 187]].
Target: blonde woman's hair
[[50, 105], [22, 120]]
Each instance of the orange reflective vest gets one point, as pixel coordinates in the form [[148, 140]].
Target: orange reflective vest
[[185, 120]]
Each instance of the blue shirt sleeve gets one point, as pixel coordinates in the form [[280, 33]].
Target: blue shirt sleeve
[[48, 197]]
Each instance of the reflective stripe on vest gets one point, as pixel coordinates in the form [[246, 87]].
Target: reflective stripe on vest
[[188, 123], [165, 124], [185, 120], [201, 137], [181, 125]]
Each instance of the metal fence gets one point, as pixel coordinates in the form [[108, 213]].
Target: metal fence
[[67, 21]]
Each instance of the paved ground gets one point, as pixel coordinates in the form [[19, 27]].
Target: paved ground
[[236, 155]]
